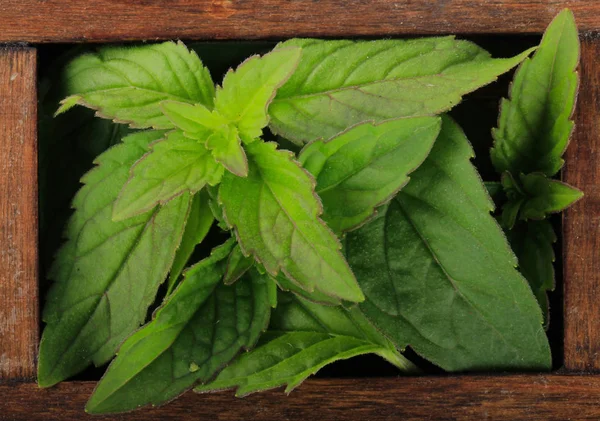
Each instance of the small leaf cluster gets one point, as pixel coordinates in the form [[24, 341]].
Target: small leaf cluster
[[374, 234]]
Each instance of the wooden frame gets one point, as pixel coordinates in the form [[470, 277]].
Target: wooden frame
[[567, 394]]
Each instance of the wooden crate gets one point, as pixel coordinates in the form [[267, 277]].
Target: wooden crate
[[572, 392]]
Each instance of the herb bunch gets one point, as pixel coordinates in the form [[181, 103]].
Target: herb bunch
[[372, 233]]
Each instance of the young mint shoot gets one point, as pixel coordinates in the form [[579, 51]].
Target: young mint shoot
[[373, 234]]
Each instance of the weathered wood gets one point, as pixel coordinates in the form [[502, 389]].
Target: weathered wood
[[581, 223], [18, 213], [522, 397], [119, 20]]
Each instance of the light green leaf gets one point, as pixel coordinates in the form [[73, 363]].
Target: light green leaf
[[201, 327], [107, 273], [366, 166], [545, 196], [341, 83], [127, 84], [248, 91], [226, 146], [303, 337], [534, 125], [532, 243], [275, 214], [212, 130], [196, 228], [175, 165], [438, 274], [237, 265]]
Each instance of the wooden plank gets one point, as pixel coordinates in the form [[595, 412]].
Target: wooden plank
[[581, 223], [515, 397], [118, 20], [18, 213]]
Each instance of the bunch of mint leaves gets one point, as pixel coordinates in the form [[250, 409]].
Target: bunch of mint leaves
[[362, 228]]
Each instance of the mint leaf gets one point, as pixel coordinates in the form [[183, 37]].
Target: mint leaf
[[303, 338], [275, 215], [201, 327], [212, 130], [534, 124], [237, 265], [175, 165], [532, 243], [545, 196], [316, 296], [107, 273], [515, 197], [366, 166], [127, 84], [341, 83], [197, 226], [248, 91], [438, 274]]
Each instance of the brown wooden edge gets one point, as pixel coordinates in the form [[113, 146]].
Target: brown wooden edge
[[581, 223], [515, 397], [120, 20], [18, 213]]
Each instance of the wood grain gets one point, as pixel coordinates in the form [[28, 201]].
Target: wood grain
[[520, 397], [119, 20], [18, 213], [581, 223]]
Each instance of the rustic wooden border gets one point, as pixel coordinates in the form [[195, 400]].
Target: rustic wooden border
[[513, 397], [119, 20]]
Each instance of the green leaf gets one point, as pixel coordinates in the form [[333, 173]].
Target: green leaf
[[494, 189], [534, 124], [127, 84], [545, 196], [275, 214], [366, 166], [212, 130], [107, 273], [237, 265], [175, 165], [303, 337], [316, 296], [532, 243], [341, 83], [438, 274], [201, 327], [196, 228], [248, 91]]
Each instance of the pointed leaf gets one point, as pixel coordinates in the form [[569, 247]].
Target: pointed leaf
[[201, 327], [92, 307], [438, 274], [127, 84], [303, 338], [532, 243], [237, 265], [316, 296], [366, 166], [341, 83], [275, 214], [226, 147], [196, 228], [175, 165], [545, 196], [534, 125], [248, 91]]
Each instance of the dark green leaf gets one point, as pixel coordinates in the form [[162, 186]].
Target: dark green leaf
[[237, 265], [438, 274], [532, 243], [107, 273], [534, 125], [303, 338], [545, 196], [201, 327]]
